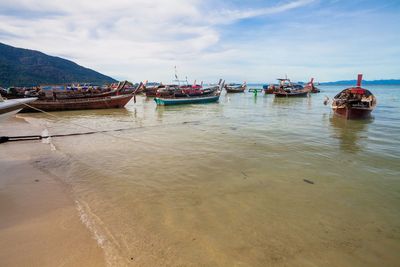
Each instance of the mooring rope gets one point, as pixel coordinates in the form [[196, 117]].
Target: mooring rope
[[4, 139]]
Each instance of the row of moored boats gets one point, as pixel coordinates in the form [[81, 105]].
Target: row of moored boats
[[352, 103]]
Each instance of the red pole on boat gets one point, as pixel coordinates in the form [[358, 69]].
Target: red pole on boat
[[359, 79]]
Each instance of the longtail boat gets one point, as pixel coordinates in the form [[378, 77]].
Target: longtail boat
[[235, 88], [270, 89], [118, 101], [179, 86], [354, 102], [75, 94], [187, 100], [130, 88], [288, 89], [151, 91], [176, 96], [9, 107], [311, 87], [65, 94], [150, 88]]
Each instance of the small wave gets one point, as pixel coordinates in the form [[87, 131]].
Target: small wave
[[84, 217], [47, 139], [88, 218]]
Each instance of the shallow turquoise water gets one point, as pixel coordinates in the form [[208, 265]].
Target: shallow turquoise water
[[223, 184]]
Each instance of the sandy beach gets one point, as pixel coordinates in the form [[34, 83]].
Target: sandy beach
[[39, 222]]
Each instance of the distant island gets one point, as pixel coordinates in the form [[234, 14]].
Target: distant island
[[24, 67], [374, 82]]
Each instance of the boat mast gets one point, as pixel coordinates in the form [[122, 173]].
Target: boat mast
[[176, 77]]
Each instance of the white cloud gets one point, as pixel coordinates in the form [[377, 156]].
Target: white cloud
[[141, 39], [229, 16]]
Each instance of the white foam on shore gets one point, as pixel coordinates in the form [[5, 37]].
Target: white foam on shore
[[47, 140], [84, 217], [89, 219]]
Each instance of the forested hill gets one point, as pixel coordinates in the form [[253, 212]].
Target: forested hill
[[24, 67]]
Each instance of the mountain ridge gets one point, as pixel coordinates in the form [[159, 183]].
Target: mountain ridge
[[26, 67]]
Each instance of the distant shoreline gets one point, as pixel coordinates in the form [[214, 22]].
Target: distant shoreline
[[373, 82], [344, 83]]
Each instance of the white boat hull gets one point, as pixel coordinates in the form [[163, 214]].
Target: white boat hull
[[11, 107]]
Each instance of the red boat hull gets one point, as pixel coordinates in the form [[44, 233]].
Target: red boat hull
[[353, 113], [79, 104]]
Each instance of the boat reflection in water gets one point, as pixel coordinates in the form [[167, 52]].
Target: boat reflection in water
[[113, 113], [286, 101], [350, 133]]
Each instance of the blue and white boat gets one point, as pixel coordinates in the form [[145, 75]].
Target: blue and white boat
[[206, 95], [187, 100]]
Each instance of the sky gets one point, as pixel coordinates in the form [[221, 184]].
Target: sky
[[253, 40]]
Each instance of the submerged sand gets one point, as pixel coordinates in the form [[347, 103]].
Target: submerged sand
[[202, 186], [39, 221]]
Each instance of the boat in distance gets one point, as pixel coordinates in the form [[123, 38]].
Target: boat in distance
[[311, 87], [173, 96], [270, 89], [354, 102], [235, 88], [288, 89]]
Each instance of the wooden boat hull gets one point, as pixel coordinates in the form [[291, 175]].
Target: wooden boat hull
[[354, 102], [235, 88], [270, 89], [186, 100], [352, 113], [312, 89], [151, 92], [80, 104], [62, 95]]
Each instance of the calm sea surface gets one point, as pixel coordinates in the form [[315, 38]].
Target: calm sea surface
[[223, 184]]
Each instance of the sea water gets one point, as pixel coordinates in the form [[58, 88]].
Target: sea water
[[249, 181]]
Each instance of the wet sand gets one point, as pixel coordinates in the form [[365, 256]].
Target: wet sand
[[39, 222]]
